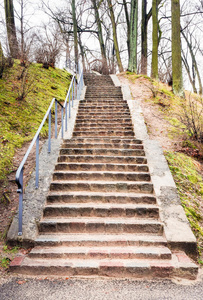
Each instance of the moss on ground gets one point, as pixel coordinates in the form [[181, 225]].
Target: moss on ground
[[187, 175], [20, 118]]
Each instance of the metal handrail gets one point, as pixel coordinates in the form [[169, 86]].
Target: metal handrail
[[73, 88]]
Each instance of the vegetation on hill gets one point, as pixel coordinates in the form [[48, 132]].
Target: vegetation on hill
[[25, 95]]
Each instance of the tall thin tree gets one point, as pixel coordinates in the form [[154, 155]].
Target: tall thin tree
[[155, 40], [11, 29], [100, 36], [144, 38], [115, 39], [176, 49], [132, 66], [75, 32]]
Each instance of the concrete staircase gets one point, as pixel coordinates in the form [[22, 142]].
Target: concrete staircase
[[101, 217]]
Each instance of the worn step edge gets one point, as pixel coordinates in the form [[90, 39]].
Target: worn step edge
[[101, 175], [100, 239], [95, 186], [99, 224], [101, 252], [102, 167], [71, 197], [101, 210], [109, 268]]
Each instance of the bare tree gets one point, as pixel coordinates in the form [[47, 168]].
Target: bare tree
[[11, 28], [132, 65], [176, 49]]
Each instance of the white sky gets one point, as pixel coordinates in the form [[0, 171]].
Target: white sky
[[36, 17]]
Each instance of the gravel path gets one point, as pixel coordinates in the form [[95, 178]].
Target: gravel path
[[98, 289]]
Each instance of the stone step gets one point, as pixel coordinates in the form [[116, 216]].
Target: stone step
[[106, 151], [101, 117], [103, 127], [103, 101], [103, 186], [102, 146], [108, 89], [104, 133], [179, 266], [100, 110], [101, 176], [98, 95], [100, 225], [99, 197], [104, 121], [101, 140], [103, 94], [99, 105], [104, 114], [128, 252], [110, 98], [101, 167], [103, 159], [86, 239], [101, 210]]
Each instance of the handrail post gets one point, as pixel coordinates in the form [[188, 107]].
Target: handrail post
[[56, 119], [62, 122], [74, 87], [20, 213], [49, 138], [72, 94], [66, 119], [69, 106], [37, 164]]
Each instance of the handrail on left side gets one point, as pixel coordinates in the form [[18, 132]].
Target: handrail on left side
[[74, 92]]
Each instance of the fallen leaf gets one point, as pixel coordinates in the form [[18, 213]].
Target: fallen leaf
[[21, 282]]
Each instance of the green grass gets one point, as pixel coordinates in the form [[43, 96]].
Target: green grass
[[20, 119], [7, 255], [187, 175]]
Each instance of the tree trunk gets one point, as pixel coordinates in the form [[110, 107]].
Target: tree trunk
[[82, 52], [194, 62], [115, 40], [128, 25], [132, 66], [2, 61], [100, 36], [192, 80], [11, 29], [145, 19], [75, 33], [144, 38], [176, 49], [155, 42]]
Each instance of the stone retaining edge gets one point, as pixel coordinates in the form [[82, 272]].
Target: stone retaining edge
[[176, 226]]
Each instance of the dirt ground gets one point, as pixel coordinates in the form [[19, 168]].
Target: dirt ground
[[157, 126]]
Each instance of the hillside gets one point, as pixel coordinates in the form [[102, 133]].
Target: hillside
[[25, 95], [166, 117]]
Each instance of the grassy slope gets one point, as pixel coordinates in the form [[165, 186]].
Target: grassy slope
[[19, 119], [186, 170]]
